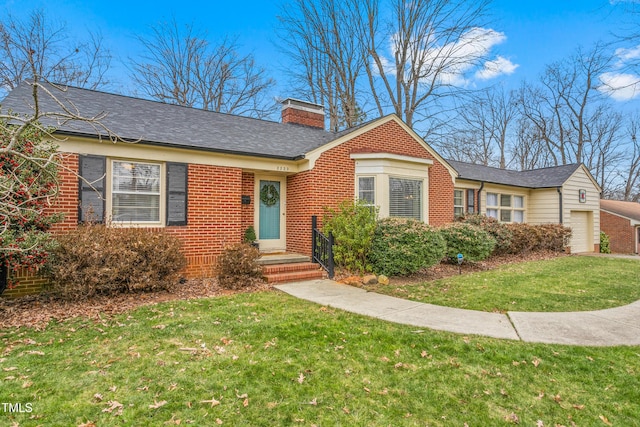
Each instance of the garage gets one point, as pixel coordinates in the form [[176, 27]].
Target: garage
[[581, 232]]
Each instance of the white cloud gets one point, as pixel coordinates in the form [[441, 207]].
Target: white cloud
[[620, 86], [627, 54], [457, 59], [495, 68]]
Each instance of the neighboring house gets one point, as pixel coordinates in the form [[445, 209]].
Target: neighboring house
[[568, 195], [621, 222], [205, 177]]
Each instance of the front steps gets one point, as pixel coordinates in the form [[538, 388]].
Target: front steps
[[282, 268]]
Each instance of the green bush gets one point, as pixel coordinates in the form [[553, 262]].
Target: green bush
[[474, 243], [238, 267], [352, 225], [535, 238], [96, 259], [604, 243], [498, 230], [403, 246]]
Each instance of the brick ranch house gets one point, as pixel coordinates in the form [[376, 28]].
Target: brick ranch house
[[205, 177], [621, 222]]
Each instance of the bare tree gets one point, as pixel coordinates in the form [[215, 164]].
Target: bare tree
[[39, 48], [321, 38], [629, 172], [528, 150], [185, 69], [567, 102], [419, 50], [487, 117]]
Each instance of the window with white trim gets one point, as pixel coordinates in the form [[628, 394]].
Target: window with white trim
[[367, 190], [458, 203], [405, 198], [135, 191], [505, 207]]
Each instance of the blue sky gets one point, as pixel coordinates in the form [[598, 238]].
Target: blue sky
[[532, 32]]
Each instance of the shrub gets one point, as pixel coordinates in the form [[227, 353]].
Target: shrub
[[96, 259], [238, 267], [469, 240], [498, 230], [249, 235], [604, 243], [404, 246], [534, 238], [352, 225]]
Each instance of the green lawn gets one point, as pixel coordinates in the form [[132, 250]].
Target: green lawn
[[267, 359], [575, 283]]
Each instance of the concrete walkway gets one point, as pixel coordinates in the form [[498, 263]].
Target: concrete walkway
[[614, 326]]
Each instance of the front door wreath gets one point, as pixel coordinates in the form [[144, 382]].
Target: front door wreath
[[269, 195]]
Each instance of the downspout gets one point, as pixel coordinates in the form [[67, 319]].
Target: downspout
[[479, 198], [560, 202]]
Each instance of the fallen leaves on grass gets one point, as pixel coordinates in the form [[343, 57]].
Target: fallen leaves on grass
[[114, 405], [36, 311], [157, 405], [213, 402]]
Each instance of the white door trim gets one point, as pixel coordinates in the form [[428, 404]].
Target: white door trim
[[271, 245]]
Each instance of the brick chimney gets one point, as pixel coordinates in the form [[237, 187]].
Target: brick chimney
[[302, 113]]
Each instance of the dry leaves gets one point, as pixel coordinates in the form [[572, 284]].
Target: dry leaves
[[213, 402], [157, 405], [114, 405]]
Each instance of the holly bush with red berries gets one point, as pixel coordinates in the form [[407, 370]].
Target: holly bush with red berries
[[28, 186]]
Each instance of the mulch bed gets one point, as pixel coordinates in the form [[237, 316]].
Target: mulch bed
[[37, 311]]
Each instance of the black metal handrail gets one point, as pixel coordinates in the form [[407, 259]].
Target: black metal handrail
[[322, 248]]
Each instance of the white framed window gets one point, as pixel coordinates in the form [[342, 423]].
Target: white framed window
[[405, 198], [458, 203], [135, 191], [367, 189], [492, 205], [505, 207], [518, 209]]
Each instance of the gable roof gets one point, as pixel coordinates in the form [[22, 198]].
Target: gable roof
[[156, 123], [535, 178], [630, 210]]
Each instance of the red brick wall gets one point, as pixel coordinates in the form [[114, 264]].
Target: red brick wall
[[248, 180], [215, 217], [620, 232], [332, 180], [301, 117]]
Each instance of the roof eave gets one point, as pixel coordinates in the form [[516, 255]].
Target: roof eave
[[203, 149]]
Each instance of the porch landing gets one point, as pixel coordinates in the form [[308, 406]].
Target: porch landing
[[289, 267]]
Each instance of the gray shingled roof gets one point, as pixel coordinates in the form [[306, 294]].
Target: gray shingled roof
[[536, 178], [171, 125]]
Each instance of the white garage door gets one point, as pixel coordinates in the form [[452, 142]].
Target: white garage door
[[580, 232]]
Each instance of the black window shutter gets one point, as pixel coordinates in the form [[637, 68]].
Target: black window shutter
[[177, 176], [91, 188]]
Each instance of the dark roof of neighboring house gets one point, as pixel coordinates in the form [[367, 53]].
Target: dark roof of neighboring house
[[535, 178], [626, 209], [153, 122]]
